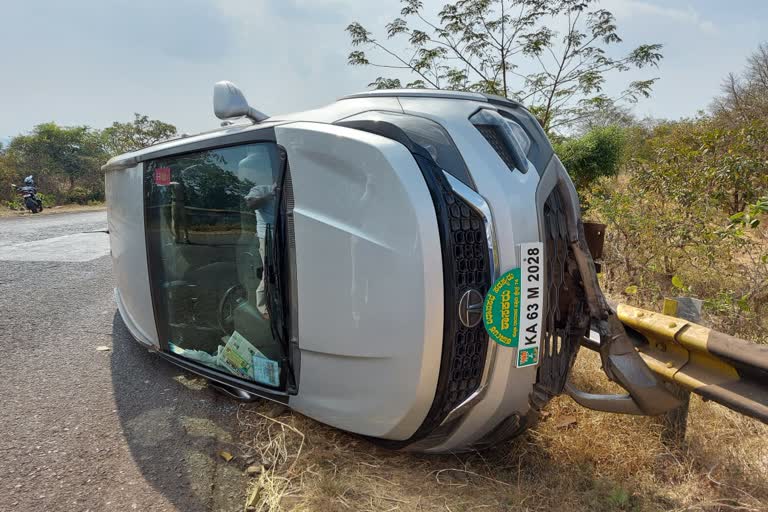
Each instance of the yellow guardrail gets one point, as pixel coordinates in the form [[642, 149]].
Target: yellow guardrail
[[719, 367]]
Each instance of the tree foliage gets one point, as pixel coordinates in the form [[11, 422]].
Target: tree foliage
[[608, 114], [745, 95], [509, 48], [142, 132], [594, 155], [707, 160], [56, 153], [66, 160], [8, 175]]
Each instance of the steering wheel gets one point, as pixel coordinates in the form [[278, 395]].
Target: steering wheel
[[231, 299]]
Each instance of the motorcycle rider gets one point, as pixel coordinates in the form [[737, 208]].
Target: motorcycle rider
[[29, 193]]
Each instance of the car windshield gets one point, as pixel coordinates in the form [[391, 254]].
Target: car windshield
[[210, 227]]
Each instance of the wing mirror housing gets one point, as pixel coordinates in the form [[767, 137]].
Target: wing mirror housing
[[229, 102]]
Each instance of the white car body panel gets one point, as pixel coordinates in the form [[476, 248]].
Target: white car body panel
[[365, 236], [125, 219], [512, 199]]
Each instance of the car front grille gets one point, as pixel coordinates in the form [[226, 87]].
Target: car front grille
[[471, 270]]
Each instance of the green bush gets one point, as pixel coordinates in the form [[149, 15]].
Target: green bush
[[17, 203], [47, 199], [14, 204], [78, 195], [596, 154]]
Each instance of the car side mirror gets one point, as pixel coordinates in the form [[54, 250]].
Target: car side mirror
[[229, 102]]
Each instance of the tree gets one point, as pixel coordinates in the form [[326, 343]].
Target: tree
[[745, 96], [142, 132], [490, 45], [596, 154], [55, 152], [700, 160], [8, 175], [604, 116]]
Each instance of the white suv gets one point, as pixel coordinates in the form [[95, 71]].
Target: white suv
[[337, 260]]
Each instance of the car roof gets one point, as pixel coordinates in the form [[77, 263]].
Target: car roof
[[434, 93], [131, 159]]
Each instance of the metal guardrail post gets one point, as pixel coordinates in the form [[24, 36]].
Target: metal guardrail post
[[675, 422]]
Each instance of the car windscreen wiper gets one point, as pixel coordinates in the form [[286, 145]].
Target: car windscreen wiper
[[272, 286], [273, 266]]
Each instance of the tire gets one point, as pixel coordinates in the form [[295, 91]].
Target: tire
[[32, 205]]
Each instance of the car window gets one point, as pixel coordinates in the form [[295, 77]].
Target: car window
[[210, 220]]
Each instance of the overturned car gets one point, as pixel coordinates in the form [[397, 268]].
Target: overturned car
[[407, 265]]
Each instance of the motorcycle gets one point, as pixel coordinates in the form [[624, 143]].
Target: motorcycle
[[29, 193]]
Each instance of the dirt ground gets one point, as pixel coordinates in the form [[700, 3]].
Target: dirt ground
[[574, 460]]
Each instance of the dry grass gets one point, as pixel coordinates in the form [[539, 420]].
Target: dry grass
[[573, 460]]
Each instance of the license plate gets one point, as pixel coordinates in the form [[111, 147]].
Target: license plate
[[531, 303]]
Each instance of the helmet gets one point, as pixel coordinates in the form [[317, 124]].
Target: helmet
[[29, 180]]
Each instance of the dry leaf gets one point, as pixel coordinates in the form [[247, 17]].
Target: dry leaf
[[567, 421], [193, 383], [254, 470]]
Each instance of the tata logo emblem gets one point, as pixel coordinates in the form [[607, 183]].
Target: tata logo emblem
[[471, 308]]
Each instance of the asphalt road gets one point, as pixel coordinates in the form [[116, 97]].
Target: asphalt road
[[83, 429]]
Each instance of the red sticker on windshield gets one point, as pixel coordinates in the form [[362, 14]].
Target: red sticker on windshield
[[163, 176]]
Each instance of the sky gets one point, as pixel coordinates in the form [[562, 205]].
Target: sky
[[91, 62]]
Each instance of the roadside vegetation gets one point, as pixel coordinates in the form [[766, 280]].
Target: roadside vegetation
[[686, 206], [66, 160]]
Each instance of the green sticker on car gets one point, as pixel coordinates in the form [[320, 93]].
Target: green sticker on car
[[501, 309], [513, 307], [527, 356]]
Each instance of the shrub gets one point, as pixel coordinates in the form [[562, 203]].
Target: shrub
[[671, 227], [14, 204], [78, 195], [47, 199], [596, 154]]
